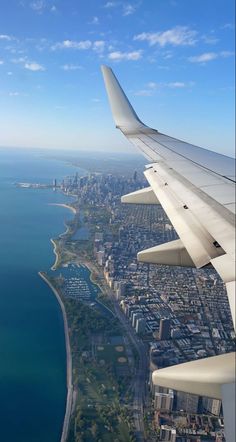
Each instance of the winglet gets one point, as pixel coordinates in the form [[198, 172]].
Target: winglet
[[124, 115]]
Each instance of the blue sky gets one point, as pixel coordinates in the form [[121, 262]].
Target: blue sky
[[174, 58]]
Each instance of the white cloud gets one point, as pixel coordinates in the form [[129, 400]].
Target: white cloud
[[226, 54], [96, 100], [32, 66], [111, 4], [203, 58], [10, 73], [119, 56], [19, 60], [144, 93], [5, 37], [178, 36], [152, 87], [230, 26], [99, 46], [14, 94], [94, 21], [211, 40], [128, 9], [209, 56], [167, 55], [1, 62], [72, 44], [177, 84], [38, 6], [71, 67]]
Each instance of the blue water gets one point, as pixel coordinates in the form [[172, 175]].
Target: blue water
[[32, 360], [82, 273]]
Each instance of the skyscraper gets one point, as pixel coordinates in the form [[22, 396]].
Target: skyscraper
[[164, 332], [187, 402], [164, 401]]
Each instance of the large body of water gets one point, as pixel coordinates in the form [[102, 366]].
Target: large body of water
[[33, 359]]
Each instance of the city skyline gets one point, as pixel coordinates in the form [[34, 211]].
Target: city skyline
[[176, 61]]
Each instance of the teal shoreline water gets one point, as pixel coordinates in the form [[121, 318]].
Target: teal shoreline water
[[33, 357]]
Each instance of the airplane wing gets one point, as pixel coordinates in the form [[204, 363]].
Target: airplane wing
[[196, 188]]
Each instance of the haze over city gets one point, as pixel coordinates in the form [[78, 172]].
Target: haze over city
[[165, 53]]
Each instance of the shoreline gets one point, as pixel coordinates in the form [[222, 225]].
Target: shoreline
[[54, 266], [67, 206], [70, 390]]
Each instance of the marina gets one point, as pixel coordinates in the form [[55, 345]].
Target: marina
[[75, 283]]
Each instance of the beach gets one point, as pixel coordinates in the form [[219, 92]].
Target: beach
[[69, 401], [67, 206], [54, 266]]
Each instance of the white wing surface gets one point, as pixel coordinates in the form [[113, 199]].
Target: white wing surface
[[196, 188]]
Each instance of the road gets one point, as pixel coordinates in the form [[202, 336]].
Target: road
[[140, 378]]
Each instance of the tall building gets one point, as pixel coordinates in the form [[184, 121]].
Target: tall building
[[212, 406], [164, 401], [133, 313], [120, 289], [167, 433], [140, 326], [100, 257], [164, 332], [187, 402], [137, 315], [131, 308]]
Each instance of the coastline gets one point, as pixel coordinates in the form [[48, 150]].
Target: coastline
[[67, 206], [54, 266], [70, 391]]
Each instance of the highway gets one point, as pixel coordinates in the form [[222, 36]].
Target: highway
[[140, 376]]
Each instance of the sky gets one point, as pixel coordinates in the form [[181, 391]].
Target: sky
[[173, 58]]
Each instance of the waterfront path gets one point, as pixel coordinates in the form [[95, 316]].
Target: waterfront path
[[69, 401]]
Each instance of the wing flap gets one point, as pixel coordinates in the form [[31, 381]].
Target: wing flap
[[142, 196], [203, 377], [170, 253]]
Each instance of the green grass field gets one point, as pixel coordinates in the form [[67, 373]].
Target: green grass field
[[112, 354]]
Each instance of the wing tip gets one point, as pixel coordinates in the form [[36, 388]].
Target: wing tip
[[124, 115], [105, 67]]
